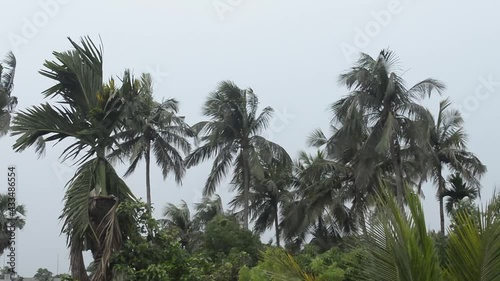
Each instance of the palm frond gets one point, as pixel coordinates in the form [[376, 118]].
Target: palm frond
[[398, 244], [473, 252]]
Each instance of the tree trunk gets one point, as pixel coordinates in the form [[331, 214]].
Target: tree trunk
[[101, 181], [148, 180], [396, 162], [276, 225], [78, 270], [440, 192], [246, 187], [99, 208]]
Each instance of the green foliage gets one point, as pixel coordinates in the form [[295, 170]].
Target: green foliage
[[151, 253], [458, 191], [156, 253], [334, 264], [64, 277], [223, 236], [465, 207], [253, 274], [398, 244], [473, 251], [7, 101], [43, 274], [441, 244]]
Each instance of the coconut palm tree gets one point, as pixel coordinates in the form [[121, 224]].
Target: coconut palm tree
[[10, 220], [190, 226], [447, 148], [457, 191], [90, 113], [154, 127], [268, 195], [7, 101], [179, 218], [388, 108], [207, 210], [318, 207], [232, 136]]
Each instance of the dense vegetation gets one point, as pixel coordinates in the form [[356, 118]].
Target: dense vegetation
[[349, 211]]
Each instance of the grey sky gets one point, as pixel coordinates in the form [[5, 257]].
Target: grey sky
[[289, 51]]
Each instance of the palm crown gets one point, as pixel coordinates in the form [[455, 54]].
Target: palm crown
[[447, 148], [232, 136], [154, 128], [90, 113], [381, 100]]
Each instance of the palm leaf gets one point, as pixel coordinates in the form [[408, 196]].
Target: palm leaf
[[473, 248], [398, 244]]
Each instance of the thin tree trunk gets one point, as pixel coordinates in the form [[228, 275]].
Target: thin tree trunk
[[246, 187], [276, 225], [397, 171], [148, 180], [440, 192]]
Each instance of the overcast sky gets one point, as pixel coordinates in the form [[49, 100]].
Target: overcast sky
[[289, 51]]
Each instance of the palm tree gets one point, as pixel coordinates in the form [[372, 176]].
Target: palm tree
[[90, 113], [318, 207], [207, 210], [189, 226], [457, 192], [154, 127], [447, 148], [388, 108], [10, 220], [232, 136], [7, 101], [399, 246], [473, 251], [268, 195], [179, 218]]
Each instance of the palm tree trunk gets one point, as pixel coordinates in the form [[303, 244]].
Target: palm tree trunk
[[396, 162], [77, 265], [246, 187], [276, 225], [440, 192], [147, 155], [99, 207], [101, 176]]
